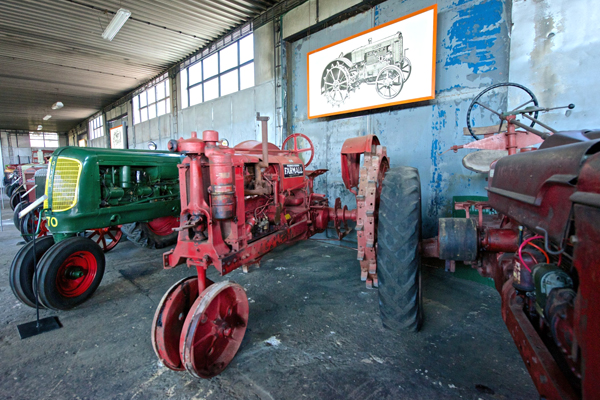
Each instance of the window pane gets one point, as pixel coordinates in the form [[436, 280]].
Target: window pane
[[151, 95], [211, 89], [211, 66], [160, 108], [36, 140], [229, 82], [228, 58], [196, 95], [136, 103], [247, 76], [168, 105], [51, 136], [183, 86], [160, 90], [144, 114], [246, 49], [136, 117], [195, 72], [152, 111], [143, 99]]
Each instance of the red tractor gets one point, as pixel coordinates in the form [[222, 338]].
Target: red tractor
[[237, 204], [540, 243]]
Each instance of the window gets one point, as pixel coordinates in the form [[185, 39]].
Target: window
[[152, 102], [96, 127], [43, 139], [227, 71]]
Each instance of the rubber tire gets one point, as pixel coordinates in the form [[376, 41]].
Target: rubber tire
[[22, 270], [18, 209], [15, 199], [50, 264], [141, 234], [398, 257], [25, 221], [11, 188]]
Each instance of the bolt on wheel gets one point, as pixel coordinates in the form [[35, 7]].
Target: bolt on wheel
[[169, 319], [214, 329]]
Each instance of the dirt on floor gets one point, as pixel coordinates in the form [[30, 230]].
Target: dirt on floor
[[314, 332]]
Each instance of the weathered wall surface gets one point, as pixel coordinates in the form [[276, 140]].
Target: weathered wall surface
[[554, 52], [472, 53]]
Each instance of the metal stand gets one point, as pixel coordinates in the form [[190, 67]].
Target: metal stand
[[43, 325]]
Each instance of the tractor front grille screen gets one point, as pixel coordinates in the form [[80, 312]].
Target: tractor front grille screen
[[62, 185]]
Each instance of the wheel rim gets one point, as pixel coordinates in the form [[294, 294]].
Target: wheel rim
[[336, 84], [169, 319], [406, 68], [163, 226], [76, 274], [106, 238], [389, 82], [214, 329]]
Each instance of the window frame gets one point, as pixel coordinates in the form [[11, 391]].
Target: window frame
[[186, 87], [96, 127], [137, 112], [44, 140]]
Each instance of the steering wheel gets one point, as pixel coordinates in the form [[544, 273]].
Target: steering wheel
[[295, 136], [478, 101]]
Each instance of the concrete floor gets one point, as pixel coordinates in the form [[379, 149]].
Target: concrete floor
[[307, 296]]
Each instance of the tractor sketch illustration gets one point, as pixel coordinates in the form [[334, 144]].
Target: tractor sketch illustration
[[382, 63]]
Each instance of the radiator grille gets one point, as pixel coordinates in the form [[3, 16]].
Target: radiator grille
[[63, 183]]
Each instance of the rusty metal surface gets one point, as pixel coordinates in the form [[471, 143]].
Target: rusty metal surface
[[532, 187]]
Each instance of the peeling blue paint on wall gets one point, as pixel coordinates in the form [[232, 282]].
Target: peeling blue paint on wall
[[472, 52], [473, 35]]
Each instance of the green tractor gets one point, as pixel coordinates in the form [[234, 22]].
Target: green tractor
[[93, 196]]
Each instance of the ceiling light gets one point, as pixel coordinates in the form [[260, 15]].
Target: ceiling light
[[39, 127], [116, 24], [47, 117], [57, 105]]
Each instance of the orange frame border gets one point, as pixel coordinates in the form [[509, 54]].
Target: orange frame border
[[431, 97]]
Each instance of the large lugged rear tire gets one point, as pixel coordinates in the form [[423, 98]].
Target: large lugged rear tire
[[398, 258], [143, 234]]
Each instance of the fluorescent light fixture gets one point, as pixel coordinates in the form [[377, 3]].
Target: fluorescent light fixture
[[47, 117], [116, 24], [39, 127], [57, 105]]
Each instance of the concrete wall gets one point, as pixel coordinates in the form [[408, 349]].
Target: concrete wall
[[233, 116], [554, 52], [472, 53]]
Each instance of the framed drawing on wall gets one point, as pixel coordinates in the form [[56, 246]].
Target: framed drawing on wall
[[390, 64], [117, 141]]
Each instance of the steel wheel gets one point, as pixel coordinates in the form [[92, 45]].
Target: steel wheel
[[22, 270], [106, 238], [406, 68], [213, 331], [335, 83], [389, 82], [70, 272], [169, 319]]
